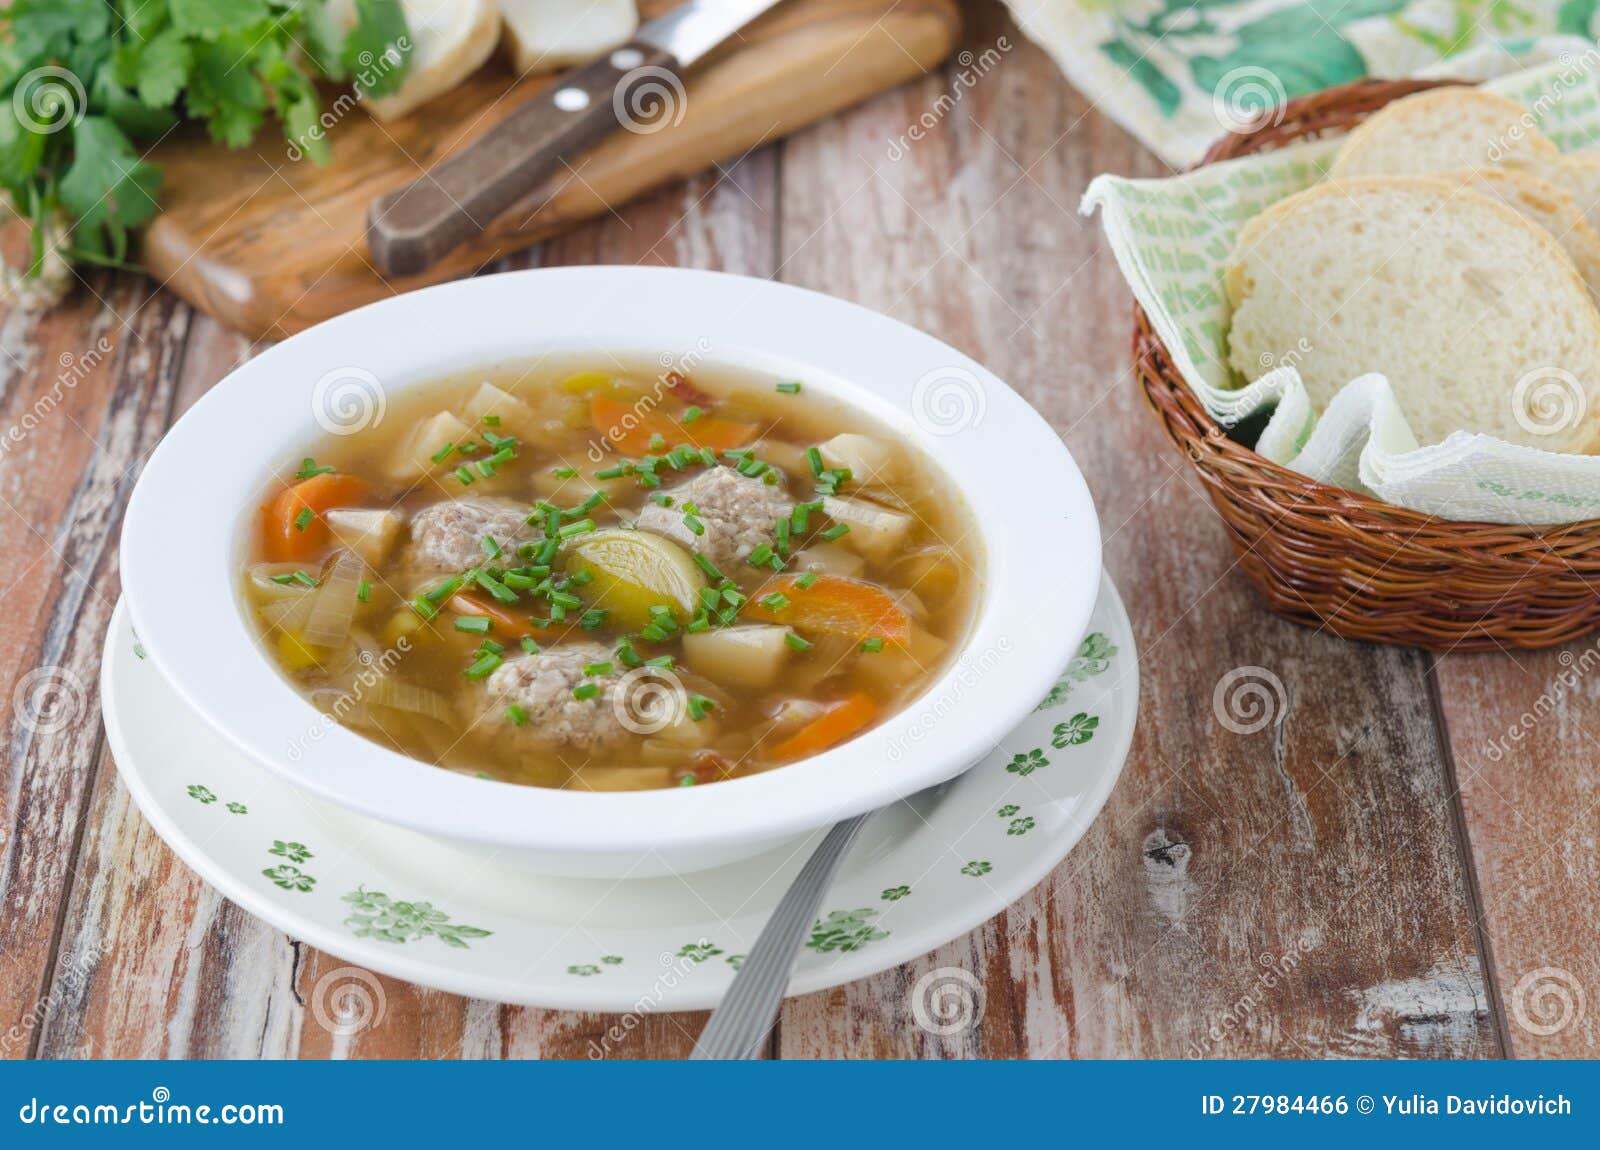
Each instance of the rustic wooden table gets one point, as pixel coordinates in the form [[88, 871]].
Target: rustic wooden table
[[1429, 884]]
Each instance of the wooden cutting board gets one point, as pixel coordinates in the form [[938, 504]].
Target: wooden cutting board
[[270, 244]]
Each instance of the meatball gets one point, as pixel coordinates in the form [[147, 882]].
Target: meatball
[[449, 536], [737, 512], [542, 686]]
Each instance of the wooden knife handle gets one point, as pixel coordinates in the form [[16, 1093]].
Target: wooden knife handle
[[637, 86]]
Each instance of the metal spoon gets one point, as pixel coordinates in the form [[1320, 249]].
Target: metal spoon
[[741, 1024]]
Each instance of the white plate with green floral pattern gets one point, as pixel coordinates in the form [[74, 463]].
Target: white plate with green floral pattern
[[923, 871]]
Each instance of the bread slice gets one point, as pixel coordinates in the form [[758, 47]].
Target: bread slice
[[544, 35], [1539, 202], [1579, 174], [450, 40], [1441, 130], [1465, 306]]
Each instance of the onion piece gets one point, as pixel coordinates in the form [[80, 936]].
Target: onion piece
[[408, 697], [287, 614], [334, 608], [264, 588]]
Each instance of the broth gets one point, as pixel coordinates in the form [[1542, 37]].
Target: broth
[[577, 576]]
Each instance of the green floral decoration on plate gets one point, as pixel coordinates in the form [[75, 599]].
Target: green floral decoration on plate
[[290, 878], [376, 915], [895, 893], [977, 868], [1025, 765], [845, 930], [201, 794], [294, 852], [1075, 731]]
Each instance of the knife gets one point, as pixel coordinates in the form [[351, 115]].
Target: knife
[[638, 86]]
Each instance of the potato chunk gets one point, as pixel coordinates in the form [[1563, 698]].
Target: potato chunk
[[875, 532], [370, 534], [752, 656], [632, 571], [497, 402], [870, 460], [417, 458]]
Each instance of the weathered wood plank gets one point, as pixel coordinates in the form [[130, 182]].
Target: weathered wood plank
[[1530, 795], [88, 397], [1296, 890]]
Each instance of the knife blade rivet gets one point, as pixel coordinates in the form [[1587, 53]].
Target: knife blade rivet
[[625, 59], [571, 99]]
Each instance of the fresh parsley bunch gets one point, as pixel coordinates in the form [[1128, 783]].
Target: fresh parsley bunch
[[83, 81]]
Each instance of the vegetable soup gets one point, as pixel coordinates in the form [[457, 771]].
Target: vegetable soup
[[612, 580]]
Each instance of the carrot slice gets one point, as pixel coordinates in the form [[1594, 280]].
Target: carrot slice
[[834, 605], [840, 721], [287, 535], [630, 430], [467, 603]]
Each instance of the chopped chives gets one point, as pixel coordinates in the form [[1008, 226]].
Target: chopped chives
[[789, 388], [796, 642], [837, 531], [581, 527], [558, 613], [564, 472], [565, 599], [490, 647], [424, 608], [581, 578], [518, 580], [734, 597], [660, 662], [303, 520], [691, 413], [805, 579], [759, 556], [626, 655], [547, 552], [484, 666], [530, 645], [709, 568], [464, 475], [612, 472], [473, 624], [592, 619], [364, 591], [872, 645], [814, 458], [687, 781], [492, 420], [710, 598], [588, 504], [661, 499], [303, 579], [466, 448], [444, 590], [490, 547], [697, 624], [776, 601], [708, 457], [658, 442], [284, 578], [443, 453], [699, 705], [694, 525], [653, 634], [516, 714], [309, 468], [782, 530], [586, 690], [499, 590], [597, 669]]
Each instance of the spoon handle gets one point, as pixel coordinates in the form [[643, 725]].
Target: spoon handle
[[740, 1025]]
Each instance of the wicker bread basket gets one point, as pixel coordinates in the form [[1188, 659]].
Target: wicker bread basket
[[1363, 569]]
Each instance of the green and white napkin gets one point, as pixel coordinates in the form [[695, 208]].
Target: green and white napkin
[[1179, 73], [1172, 237]]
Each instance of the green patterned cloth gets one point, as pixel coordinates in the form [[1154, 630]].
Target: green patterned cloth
[[1180, 73]]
